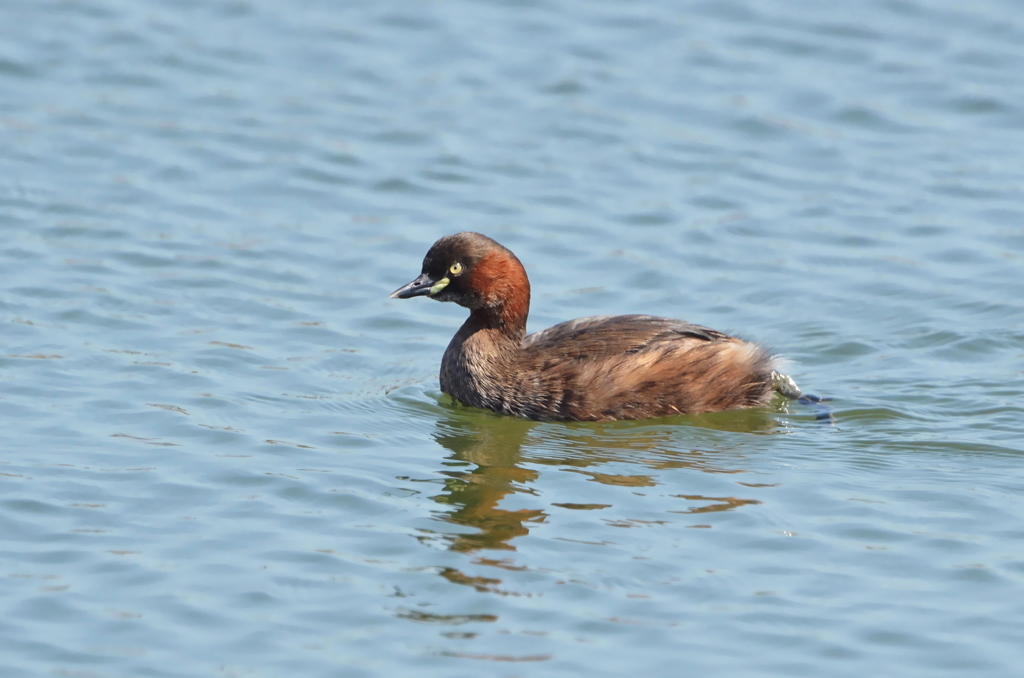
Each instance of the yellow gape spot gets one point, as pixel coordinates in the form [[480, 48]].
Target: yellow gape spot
[[439, 285]]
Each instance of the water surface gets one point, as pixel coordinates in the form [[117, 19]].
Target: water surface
[[226, 452]]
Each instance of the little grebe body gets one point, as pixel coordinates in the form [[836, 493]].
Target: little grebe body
[[591, 369]]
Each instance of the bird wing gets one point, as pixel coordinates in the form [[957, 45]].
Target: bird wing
[[606, 336]]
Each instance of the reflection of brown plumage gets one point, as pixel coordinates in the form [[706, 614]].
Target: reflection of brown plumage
[[508, 455], [494, 450], [591, 369], [477, 495]]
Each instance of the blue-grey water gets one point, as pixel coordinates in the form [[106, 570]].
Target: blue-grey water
[[224, 449]]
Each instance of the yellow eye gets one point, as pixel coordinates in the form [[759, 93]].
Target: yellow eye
[[455, 269]]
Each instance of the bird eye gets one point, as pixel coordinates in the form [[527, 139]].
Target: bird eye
[[455, 269]]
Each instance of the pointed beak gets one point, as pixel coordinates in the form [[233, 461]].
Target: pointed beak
[[419, 287]]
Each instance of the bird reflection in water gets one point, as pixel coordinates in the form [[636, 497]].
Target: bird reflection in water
[[492, 444], [492, 449]]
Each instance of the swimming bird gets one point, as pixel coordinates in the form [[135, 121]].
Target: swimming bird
[[600, 368]]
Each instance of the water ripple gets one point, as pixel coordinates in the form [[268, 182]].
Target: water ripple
[[223, 437]]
